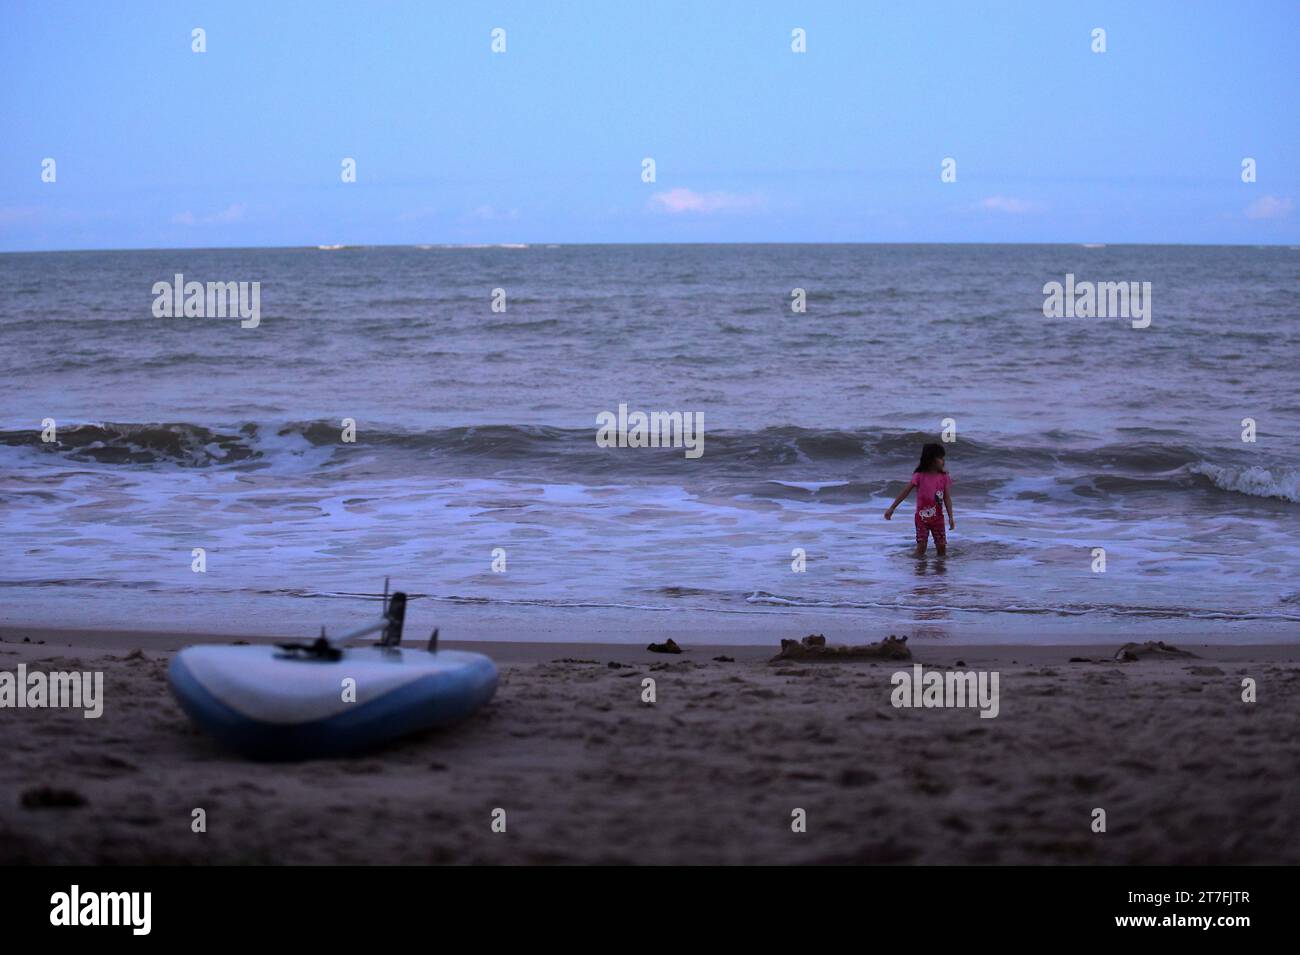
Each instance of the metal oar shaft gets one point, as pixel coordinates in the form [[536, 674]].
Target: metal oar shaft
[[390, 622]]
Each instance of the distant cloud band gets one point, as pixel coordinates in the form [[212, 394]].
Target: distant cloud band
[[682, 200]]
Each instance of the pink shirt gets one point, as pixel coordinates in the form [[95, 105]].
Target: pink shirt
[[929, 486]]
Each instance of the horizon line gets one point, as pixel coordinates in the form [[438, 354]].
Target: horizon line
[[429, 246]]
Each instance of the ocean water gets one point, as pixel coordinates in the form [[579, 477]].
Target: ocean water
[[475, 431]]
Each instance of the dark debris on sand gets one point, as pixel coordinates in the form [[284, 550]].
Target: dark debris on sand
[[46, 797], [1151, 650]]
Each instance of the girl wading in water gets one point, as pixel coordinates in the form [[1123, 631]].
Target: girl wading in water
[[933, 494]]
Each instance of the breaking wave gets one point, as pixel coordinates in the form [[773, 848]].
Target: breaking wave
[[785, 463]]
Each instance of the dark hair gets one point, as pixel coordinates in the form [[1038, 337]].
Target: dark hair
[[929, 454]]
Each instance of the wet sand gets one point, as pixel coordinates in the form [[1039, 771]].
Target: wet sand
[[712, 772]]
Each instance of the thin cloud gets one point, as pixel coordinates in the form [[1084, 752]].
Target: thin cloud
[[492, 214], [414, 215], [231, 214], [683, 200], [1269, 207], [1010, 205]]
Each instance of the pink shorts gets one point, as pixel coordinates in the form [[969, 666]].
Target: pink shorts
[[931, 524]]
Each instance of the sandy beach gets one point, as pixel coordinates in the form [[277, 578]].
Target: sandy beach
[[709, 773]]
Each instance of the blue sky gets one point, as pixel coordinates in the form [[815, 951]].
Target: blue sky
[[157, 146]]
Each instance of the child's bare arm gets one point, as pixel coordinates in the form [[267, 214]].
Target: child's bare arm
[[947, 502], [889, 514]]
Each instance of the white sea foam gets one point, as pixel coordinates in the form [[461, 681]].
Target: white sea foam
[[1280, 483]]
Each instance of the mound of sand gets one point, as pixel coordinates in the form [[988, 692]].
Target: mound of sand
[[814, 648]]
